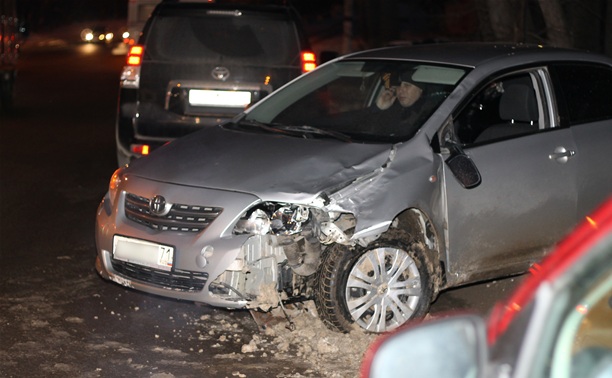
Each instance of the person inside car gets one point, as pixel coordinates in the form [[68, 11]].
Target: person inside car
[[401, 108], [407, 92], [398, 112]]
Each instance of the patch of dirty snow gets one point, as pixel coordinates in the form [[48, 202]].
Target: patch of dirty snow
[[333, 354]]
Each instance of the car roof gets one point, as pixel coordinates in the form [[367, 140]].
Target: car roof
[[478, 53], [226, 5]]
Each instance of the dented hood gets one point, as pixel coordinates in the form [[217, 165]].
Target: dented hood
[[270, 166]]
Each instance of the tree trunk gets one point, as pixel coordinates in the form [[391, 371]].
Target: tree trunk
[[607, 38], [347, 27], [556, 30], [484, 20], [503, 20]]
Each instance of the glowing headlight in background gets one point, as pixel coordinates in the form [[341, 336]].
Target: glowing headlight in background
[[87, 35]]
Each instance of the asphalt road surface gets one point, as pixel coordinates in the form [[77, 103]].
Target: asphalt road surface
[[57, 317]]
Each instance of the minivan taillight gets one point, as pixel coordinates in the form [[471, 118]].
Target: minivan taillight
[[134, 57], [141, 149], [309, 61]]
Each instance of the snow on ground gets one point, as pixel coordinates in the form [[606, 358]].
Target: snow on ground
[[63, 320]]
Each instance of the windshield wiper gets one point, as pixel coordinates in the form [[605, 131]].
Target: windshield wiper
[[261, 125], [289, 129], [305, 129]]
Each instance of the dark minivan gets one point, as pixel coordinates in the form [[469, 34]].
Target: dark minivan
[[199, 64]]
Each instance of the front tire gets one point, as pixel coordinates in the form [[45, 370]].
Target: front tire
[[377, 288]]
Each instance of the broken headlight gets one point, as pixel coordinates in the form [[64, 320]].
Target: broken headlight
[[257, 223], [279, 219]]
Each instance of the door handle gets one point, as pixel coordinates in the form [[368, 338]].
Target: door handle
[[561, 154]]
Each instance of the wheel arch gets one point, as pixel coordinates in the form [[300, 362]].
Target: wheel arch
[[421, 229]]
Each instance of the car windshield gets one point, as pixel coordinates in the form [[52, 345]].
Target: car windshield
[[366, 101], [200, 36]]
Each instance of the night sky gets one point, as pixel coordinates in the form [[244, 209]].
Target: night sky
[[48, 14]]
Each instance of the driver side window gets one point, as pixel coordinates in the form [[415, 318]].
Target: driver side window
[[506, 108]]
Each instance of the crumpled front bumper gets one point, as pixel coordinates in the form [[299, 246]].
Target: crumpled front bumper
[[200, 257]]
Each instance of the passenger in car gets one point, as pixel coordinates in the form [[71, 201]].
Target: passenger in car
[[407, 92], [399, 110], [406, 115]]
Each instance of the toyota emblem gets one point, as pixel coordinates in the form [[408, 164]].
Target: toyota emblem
[[157, 205], [220, 73]]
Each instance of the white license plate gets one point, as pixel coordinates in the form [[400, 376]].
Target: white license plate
[[142, 252], [233, 99]]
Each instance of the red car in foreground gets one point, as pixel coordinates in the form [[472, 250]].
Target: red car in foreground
[[557, 323]]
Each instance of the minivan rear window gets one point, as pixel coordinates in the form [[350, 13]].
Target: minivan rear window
[[224, 37]]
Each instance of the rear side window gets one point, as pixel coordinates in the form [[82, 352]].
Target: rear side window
[[195, 37], [584, 92]]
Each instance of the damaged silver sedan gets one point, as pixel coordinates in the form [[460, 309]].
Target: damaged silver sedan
[[370, 184]]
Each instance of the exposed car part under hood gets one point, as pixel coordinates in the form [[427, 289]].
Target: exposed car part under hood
[[261, 164]]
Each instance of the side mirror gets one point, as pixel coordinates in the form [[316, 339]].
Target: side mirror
[[463, 168], [453, 347]]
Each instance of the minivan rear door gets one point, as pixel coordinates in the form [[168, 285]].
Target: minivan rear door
[[210, 64]]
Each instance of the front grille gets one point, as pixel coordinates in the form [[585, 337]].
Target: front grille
[[181, 280], [181, 218]]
